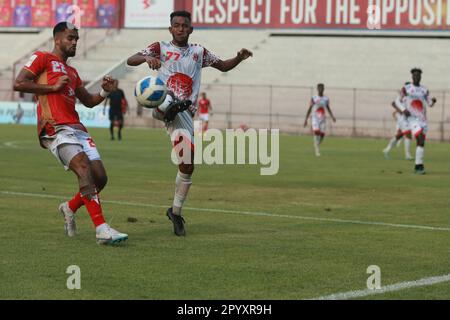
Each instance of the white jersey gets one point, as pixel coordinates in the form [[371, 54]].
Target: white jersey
[[181, 68], [318, 107], [415, 100]]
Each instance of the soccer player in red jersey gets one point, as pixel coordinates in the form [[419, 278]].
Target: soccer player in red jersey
[[57, 85], [204, 106]]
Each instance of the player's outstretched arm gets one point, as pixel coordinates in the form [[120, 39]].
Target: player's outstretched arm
[[138, 59], [91, 100], [331, 113], [25, 83], [227, 65], [307, 115]]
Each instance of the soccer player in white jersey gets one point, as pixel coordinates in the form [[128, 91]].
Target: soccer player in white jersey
[[317, 107], [179, 64], [403, 131], [416, 99]]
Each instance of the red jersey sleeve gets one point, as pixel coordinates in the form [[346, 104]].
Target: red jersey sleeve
[[153, 50], [209, 58], [37, 63]]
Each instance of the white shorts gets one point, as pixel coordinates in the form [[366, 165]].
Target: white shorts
[[183, 125], [69, 136], [418, 127], [203, 116], [318, 126], [403, 124]]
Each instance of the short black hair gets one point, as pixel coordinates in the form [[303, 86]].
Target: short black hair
[[63, 26], [320, 85], [413, 70], [184, 14]]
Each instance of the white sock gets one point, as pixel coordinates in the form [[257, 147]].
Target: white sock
[[391, 144], [407, 143], [316, 140], [316, 143], [158, 112], [419, 155], [182, 184]]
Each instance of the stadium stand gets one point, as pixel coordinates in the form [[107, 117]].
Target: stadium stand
[[272, 90]]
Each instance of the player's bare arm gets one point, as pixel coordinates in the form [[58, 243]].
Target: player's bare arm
[[397, 109], [331, 113], [138, 59], [25, 83], [91, 100], [307, 115], [227, 65], [394, 115]]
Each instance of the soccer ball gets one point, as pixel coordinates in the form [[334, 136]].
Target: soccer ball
[[150, 92]]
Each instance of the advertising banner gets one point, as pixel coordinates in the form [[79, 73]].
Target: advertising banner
[[148, 13], [25, 113], [322, 14]]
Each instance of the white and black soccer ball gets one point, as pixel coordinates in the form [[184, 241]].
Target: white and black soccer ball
[[150, 92]]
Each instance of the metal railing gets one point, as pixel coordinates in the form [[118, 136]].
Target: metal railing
[[359, 112]]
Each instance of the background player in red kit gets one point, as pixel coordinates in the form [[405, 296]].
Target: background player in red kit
[[204, 106], [57, 85]]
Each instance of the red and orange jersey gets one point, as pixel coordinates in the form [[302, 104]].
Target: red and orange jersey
[[54, 108]]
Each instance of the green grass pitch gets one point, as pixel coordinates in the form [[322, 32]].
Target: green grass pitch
[[232, 250]]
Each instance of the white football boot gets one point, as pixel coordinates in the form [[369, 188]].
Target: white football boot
[[107, 235], [70, 226]]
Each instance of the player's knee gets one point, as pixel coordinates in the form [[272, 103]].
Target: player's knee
[[421, 140], [100, 182], [186, 168]]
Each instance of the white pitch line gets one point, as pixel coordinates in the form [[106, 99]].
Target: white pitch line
[[390, 288], [250, 213]]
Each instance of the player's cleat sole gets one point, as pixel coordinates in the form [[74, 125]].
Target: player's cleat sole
[[70, 226], [178, 223], [174, 108], [113, 241]]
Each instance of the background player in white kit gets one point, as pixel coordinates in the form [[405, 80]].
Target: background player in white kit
[[416, 99], [179, 65], [317, 107], [403, 131]]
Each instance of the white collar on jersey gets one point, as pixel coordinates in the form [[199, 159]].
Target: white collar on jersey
[[181, 48]]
